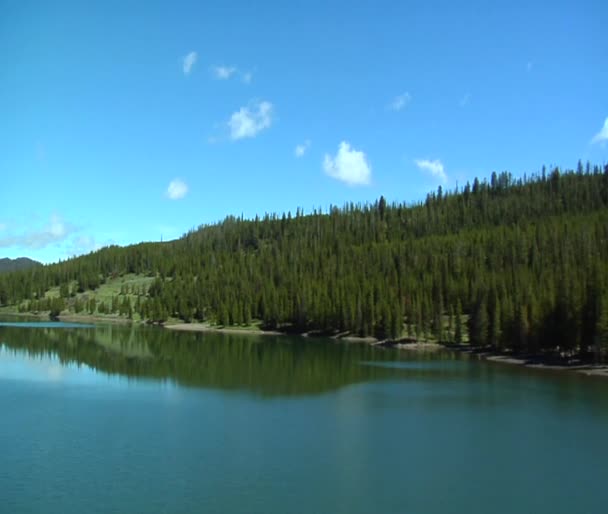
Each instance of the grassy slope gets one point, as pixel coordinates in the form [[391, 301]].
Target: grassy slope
[[104, 293]]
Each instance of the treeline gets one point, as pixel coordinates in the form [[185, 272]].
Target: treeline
[[519, 264]]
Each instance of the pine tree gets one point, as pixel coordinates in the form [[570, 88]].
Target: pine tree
[[494, 330], [458, 336], [478, 323]]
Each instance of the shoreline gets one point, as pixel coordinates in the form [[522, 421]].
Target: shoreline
[[203, 327], [404, 344], [73, 318], [347, 337], [252, 330], [534, 362]]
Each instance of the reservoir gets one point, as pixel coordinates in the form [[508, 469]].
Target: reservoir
[[120, 419]]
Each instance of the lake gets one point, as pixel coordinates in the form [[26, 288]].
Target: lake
[[119, 419]]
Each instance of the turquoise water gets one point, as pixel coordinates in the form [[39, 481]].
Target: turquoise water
[[44, 324], [119, 420]]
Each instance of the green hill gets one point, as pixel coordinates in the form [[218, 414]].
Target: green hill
[[519, 264]]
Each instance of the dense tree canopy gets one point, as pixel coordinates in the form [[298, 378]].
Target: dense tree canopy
[[519, 264]]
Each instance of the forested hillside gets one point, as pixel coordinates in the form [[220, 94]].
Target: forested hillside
[[520, 264]]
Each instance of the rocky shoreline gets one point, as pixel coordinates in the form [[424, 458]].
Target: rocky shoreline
[[536, 361]]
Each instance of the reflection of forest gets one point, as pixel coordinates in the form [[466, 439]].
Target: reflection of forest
[[266, 365]]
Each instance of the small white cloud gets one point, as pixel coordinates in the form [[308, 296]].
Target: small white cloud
[[465, 100], [249, 121], [400, 102], [188, 62], [602, 135], [177, 189], [223, 72], [228, 72], [57, 228], [435, 168], [301, 149], [348, 165]]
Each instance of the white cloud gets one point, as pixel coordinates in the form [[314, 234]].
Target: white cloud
[[228, 72], [55, 231], [301, 149], [348, 165], [223, 72], [400, 102], [602, 135], [249, 121], [465, 100], [188, 62], [57, 228], [435, 168], [177, 189]]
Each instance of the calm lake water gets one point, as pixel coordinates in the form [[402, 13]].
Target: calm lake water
[[112, 419]]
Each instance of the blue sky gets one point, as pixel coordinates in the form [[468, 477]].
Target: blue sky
[[123, 122]]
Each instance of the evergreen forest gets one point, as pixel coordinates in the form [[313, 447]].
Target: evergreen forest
[[511, 264]]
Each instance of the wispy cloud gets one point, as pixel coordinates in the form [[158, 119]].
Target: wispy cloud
[[435, 168], [229, 72], [55, 231], [188, 62], [249, 121], [348, 165], [465, 100], [400, 102], [177, 189], [81, 245], [602, 135], [301, 149], [223, 72]]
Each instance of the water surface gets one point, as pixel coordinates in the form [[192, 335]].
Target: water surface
[[105, 419]]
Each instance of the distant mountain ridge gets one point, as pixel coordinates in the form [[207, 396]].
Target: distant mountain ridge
[[7, 264]]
